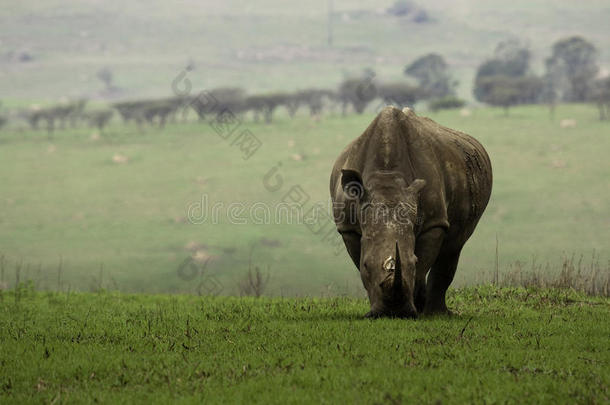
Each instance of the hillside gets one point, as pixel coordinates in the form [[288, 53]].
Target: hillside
[[54, 49]]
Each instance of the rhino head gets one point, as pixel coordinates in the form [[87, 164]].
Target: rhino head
[[385, 209]]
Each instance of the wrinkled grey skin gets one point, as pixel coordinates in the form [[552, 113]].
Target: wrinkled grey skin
[[407, 194]]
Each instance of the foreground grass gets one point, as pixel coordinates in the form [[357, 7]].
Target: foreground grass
[[502, 346]]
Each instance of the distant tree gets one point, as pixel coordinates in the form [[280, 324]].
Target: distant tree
[[219, 101], [33, 117], [158, 111], [228, 98], [571, 68], [421, 16], [499, 91], [292, 102], [77, 111], [37, 115], [505, 80], [549, 95], [62, 113], [100, 119], [401, 8], [506, 91], [399, 94], [432, 74], [514, 56], [446, 103], [406, 8], [314, 99], [511, 59], [601, 96], [106, 76], [358, 92], [131, 111], [265, 104], [3, 118]]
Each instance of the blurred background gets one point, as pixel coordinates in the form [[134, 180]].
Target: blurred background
[[148, 146]]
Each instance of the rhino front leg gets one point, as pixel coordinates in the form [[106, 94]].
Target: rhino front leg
[[352, 244], [427, 247], [441, 276]]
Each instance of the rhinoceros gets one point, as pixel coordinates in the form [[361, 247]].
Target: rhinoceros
[[407, 194]]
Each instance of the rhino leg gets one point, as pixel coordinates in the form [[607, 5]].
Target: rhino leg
[[352, 244], [440, 277], [427, 247]]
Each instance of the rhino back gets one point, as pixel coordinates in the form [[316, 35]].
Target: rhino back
[[463, 170]]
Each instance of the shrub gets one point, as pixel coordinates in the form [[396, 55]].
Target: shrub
[[446, 103], [314, 99], [601, 96], [401, 8], [100, 118], [433, 76], [358, 92], [293, 102], [219, 100], [265, 104], [399, 94], [506, 91]]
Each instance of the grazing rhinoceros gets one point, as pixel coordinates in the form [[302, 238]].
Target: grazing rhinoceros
[[407, 194]]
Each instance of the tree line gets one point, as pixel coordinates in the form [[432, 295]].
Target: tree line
[[571, 75], [505, 79]]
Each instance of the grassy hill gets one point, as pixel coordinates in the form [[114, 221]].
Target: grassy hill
[[114, 208], [267, 45], [503, 346]]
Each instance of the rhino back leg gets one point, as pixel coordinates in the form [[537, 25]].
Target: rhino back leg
[[440, 277]]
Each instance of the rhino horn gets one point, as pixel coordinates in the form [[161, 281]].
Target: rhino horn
[[397, 272]]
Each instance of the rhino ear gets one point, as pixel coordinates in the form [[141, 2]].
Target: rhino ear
[[417, 185], [351, 182]]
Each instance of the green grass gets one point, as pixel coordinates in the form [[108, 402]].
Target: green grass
[[67, 198], [502, 346]]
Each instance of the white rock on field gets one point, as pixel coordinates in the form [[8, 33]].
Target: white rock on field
[[465, 112], [194, 246], [567, 123], [201, 256], [119, 158]]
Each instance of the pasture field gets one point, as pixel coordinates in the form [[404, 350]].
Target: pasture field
[[502, 346], [87, 211]]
